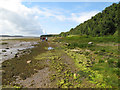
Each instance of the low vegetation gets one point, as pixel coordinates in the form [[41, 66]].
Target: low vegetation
[[99, 59]]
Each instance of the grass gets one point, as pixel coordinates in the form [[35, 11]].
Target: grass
[[103, 53]]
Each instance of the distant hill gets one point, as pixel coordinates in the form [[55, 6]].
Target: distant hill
[[10, 36], [106, 22], [49, 35]]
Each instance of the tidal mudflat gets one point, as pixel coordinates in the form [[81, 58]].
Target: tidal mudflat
[[14, 48], [10, 48]]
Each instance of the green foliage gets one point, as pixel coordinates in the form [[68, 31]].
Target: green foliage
[[92, 75], [105, 23], [101, 61], [87, 53], [103, 50], [100, 58], [111, 62]]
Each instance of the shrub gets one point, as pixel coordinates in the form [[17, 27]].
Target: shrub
[[101, 53], [111, 62], [95, 52], [103, 50], [84, 74], [118, 64], [92, 49], [101, 61], [87, 53], [93, 62]]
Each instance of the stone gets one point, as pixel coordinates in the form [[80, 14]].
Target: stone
[[6, 48], [4, 51], [29, 61], [90, 43], [16, 55]]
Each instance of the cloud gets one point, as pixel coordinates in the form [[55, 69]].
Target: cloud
[[17, 19], [81, 17], [48, 13]]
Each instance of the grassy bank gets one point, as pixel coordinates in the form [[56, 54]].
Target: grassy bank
[[101, 57]]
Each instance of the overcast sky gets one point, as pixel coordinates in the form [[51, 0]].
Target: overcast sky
[[36, 18]]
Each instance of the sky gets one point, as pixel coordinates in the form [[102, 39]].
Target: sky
[[37, 18]]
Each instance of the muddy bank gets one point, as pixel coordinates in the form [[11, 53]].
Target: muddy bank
[[10, 48], [23, 66]]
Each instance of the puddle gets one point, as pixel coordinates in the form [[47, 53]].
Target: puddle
[[50, 48]]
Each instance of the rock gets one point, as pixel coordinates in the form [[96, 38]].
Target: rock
[[6, 48], [4, 51], [90, 43], [29, 61], [67, 44], [16, 55], [5, 55]]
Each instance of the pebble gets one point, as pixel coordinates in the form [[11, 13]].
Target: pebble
[[29, 61]]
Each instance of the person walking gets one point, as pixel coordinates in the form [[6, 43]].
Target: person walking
[[46, 38]]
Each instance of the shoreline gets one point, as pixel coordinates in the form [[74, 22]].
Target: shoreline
[[10, 48], [57, 67]]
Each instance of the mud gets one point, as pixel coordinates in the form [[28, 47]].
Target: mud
[[12, 47], [38, 80]]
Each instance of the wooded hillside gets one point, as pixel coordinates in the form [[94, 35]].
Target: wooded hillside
[[103, 23]]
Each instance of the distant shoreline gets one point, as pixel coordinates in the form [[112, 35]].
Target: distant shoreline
[[10, 36]]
